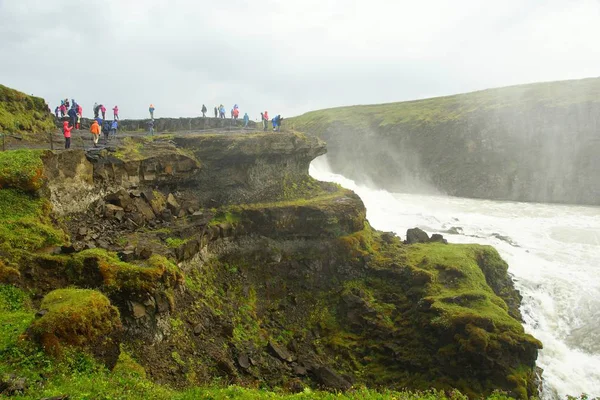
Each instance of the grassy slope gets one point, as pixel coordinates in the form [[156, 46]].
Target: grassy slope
[[24, 114], [441, 109], [78, 375]]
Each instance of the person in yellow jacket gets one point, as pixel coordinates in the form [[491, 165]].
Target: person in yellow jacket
[[95, 130]]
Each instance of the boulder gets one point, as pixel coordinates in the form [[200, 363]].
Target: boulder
[[110, 210], [279, 351], [120, 198], [126, 255], [436, 237], [172, 204], [416, 235], [138, 310], [144, 209], [243, 361], [330, 379]]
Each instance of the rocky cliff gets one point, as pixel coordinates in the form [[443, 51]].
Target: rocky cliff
[[533, 142], [211, 258]]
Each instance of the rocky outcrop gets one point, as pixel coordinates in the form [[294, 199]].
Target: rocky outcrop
[[223, 257], [527, 143]]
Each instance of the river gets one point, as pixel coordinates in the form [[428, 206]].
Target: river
[[553, 252]]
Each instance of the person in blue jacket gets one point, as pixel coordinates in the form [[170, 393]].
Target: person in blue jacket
[[73, 116], [113, 128], [246, 120]]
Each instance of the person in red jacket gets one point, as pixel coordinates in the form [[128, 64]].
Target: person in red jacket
[[103, 111], [116, 112], [67, 132]]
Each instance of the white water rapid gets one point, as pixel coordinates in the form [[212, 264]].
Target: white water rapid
[[553, 252]]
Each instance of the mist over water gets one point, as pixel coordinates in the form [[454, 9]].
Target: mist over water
[[553, 252]]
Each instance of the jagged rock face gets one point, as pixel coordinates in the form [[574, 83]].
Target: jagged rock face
[[279, 278]]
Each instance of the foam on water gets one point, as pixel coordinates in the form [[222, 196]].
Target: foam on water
[[553, 252]]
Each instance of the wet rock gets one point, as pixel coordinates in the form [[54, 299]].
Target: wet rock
[[279, 351], [436, 237], [137, 310], [137, 218], [120, 198], [198, 216], [416, 235], [143, 208], [299, 370], [148, 195], [191, 211], [135, 193], [198, 329], [243, 361], [103, 244], [82, 231], [330, 379], [143, 253], [110, 210], [172, 204], [166, 215], [162, 304], [227, 367], [225, 229], [41, 313], [12, 385], [126, 255], [67, 249]]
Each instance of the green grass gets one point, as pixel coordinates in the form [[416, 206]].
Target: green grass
[[25, 222], [21, 169], [452, 108], [23, 114], [145, 276]]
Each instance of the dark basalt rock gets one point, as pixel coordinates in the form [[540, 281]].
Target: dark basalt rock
[[416, 235]]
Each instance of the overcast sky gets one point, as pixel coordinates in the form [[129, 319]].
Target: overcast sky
[[287, 56]]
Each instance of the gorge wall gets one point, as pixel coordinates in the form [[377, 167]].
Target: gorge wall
[[535, 142], [217, 257]]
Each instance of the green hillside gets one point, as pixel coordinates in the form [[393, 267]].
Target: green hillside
[[533, 142], [24, 114]]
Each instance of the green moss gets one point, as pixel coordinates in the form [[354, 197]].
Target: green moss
[[146, 276], [229, 216], [126, 366], [175, 242], [25, 222], [21, 169], [23, 114], [74, 317]]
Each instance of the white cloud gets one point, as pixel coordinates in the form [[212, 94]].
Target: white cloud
[[288, 57]]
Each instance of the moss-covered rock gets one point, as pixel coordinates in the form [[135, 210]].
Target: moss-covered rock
[[81, 318], [21, 169]]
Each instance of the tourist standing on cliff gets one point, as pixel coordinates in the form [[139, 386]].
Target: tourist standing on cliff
[[151, 109], [246, 120], [151, 127], [103, 110], [113, 129], [73, 116], [96, 110], [56, 110], [235, 113], [106, 130], [222, 111], [78, 120], [67, 133], [204, 110], [216, 112], [63, 110], [95, 131], [116, 112], [266, 121]]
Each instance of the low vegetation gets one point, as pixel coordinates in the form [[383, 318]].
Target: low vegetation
[[24, 114]]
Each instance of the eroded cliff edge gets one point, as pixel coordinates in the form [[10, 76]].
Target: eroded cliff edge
[[218, 257]]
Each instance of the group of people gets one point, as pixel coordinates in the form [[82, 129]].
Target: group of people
[[109, 128]]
